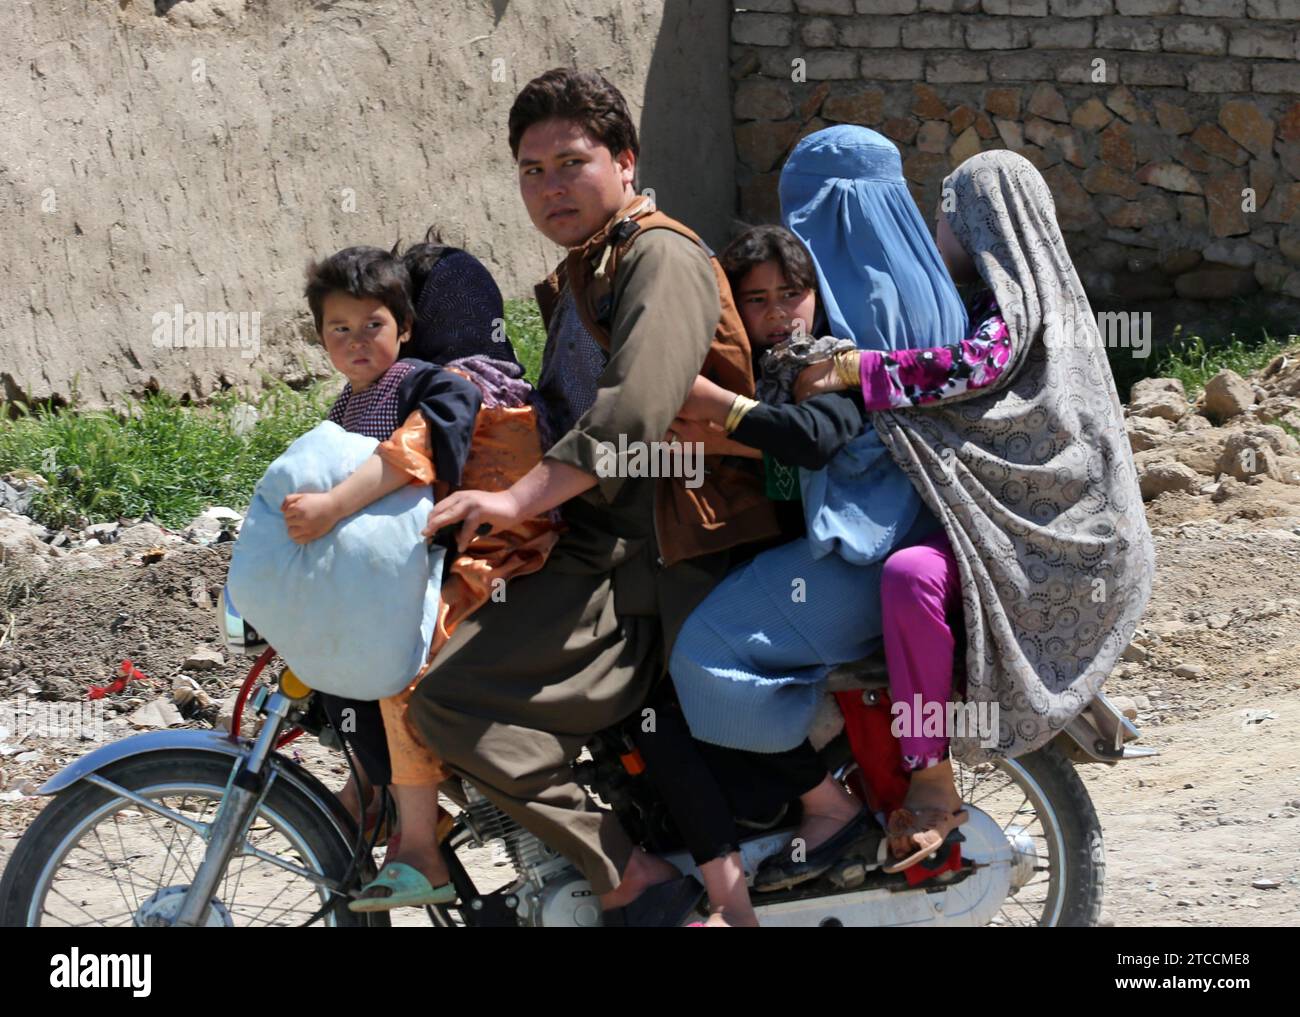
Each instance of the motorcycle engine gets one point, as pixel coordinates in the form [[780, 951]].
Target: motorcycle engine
[[551, 893]]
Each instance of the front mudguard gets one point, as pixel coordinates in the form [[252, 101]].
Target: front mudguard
[[210, 743]]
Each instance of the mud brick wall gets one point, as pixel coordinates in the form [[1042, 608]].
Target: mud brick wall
[[1168, 130]]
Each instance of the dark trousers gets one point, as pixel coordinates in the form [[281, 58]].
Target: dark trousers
[[707, 787]]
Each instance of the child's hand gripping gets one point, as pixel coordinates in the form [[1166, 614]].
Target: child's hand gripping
[[309, 515]]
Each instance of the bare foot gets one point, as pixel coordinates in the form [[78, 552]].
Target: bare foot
[[728, 919], [352, 797], [643, 870], [932, 794], [933, 788], [431, 866], [827, 809]]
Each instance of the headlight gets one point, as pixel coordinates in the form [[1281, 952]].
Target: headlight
[[239, 636]]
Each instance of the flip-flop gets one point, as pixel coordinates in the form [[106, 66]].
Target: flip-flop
[[408, 886], [927, 828]]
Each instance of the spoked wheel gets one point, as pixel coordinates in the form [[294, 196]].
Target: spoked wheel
[[1047, 816], [96, 858]]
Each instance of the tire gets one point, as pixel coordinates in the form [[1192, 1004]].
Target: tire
[[286, 814], [1083, 855]]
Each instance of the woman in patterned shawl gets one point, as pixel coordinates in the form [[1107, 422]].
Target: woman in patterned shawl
[[1031, 475]]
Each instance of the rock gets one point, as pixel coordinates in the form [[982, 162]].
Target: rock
[[158, 714], [1265, 884], [1192, 423], [243, 419], [210, 525], [1169, 176], [103, 533], [1123, 102], [1178, 261], [1003, 102], [933, 136], [1173, 119], [21, 547], [1162, 477], [1134, 653], [1046, 102], [204, 658], [1272, 276], [1215, 282], [1189, 671], [16, 499], [1248, 126], [1288, 243], [1146, 433], [1158, 397], [966, 145], [1247, 455], [142, 536], [1218, 621], [1235, 253], [1223, 203], [1227, 395], [1124, 705]]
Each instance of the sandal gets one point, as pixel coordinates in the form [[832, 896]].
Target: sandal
[[406, 886], [926, 828]]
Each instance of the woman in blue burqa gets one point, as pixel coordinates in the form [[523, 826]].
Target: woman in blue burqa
[[750, 663]]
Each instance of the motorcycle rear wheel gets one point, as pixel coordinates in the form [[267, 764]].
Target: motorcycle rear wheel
[[1044, 808]]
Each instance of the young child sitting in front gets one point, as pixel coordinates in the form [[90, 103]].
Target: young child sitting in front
[[427, 417]]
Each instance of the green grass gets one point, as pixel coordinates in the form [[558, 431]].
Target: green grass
[[157, 458], [169, 461], [1193, 361], [527, 334]]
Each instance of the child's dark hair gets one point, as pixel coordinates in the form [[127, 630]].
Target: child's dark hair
[[362, 272], [584, 97], [769, 243]]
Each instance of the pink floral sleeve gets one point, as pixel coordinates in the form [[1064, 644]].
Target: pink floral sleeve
[[893, 379]]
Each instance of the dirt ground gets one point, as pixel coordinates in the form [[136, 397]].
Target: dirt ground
[[1187, 833]]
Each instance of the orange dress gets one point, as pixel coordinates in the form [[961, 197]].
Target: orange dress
[[505, 445]]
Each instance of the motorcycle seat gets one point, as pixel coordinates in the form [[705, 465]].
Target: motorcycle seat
[[868, 673]]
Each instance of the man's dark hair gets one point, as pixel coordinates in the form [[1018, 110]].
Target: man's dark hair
[[362, 272], [768, 243], [584, 97]]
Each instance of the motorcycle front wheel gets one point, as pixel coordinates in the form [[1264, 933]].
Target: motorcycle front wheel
[[96, 858]]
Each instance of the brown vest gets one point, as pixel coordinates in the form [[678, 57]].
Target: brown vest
[[729, 508]]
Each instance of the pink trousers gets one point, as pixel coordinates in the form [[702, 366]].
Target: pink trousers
[[920, 590]]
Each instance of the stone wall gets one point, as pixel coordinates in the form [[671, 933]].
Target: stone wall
[[1169, 130], [198, 152]]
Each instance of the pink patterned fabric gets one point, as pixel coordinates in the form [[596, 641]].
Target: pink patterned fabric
[[902, 378]]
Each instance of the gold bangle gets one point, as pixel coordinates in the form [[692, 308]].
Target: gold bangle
[[739, 407], [848, 366]]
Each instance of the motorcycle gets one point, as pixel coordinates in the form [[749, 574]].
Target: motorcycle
[[207, 828]]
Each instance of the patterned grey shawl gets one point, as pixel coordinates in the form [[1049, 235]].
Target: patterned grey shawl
[[1032, 478]]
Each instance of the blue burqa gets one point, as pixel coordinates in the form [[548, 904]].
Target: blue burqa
[[882, 284]]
